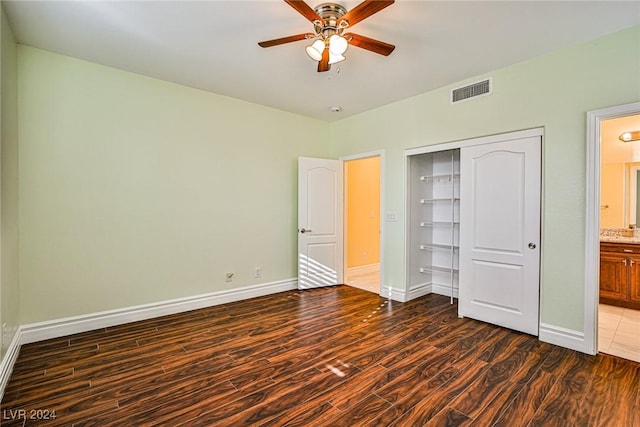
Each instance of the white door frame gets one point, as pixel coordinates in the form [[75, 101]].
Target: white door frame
[[360, 156], [592, 222]]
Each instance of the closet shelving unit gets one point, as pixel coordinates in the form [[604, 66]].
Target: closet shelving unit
[[434, 212]]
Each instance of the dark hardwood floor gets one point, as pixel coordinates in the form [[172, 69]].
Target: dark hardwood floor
[[327, 357]]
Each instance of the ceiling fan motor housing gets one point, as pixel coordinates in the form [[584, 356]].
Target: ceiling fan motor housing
[[331, 14]]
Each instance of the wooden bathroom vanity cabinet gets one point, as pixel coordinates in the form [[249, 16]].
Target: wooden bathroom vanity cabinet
[[620, 274]]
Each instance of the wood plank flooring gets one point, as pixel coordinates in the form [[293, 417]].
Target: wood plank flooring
[[337, 356]]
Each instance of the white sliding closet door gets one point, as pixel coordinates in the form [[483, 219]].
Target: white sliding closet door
[[500, 233]]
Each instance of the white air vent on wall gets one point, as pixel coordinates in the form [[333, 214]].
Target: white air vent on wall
[[471, 91]]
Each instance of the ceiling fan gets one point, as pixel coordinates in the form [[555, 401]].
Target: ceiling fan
[[330, 20]]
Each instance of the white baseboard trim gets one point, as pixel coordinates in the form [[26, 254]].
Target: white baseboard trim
[[419, 290], [369, 268], [9, 359], [562, 337], [393, 294], [72, 325], [444, 290]]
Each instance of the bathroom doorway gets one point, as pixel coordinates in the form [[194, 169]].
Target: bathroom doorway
[[619, 274]]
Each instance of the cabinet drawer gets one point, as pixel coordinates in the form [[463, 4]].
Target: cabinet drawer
[[623, 248]]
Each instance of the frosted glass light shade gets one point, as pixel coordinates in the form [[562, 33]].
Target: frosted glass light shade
[[338, 44], [335, 58], [315, 50]]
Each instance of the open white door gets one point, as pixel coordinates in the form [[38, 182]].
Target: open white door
[[320, 228], [500, 233]]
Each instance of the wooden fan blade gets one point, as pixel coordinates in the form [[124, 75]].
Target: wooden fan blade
[[367, 43], [304, 10], [365, 10], [283, 40], [323, 64]]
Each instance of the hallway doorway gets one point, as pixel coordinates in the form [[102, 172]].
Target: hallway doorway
[[362, 183]]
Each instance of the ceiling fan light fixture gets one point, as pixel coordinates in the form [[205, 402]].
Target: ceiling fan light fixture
[[338, 44], [330, 20], [315, 50], [333, 59]]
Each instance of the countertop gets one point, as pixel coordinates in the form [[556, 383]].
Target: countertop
[[620, 235], [620, 239]]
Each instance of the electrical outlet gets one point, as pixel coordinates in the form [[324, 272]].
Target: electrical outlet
[[228, 277], [258, 272]]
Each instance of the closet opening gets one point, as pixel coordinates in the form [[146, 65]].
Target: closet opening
[[433, 223]]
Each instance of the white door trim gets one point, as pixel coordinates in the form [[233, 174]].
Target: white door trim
[[592, 219], [367, 155], [501, 137]]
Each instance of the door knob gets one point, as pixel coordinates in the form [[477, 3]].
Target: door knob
[[305, 231], [532, 245]]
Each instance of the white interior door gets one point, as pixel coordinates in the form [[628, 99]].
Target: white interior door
[[500, 233], [320, 228]]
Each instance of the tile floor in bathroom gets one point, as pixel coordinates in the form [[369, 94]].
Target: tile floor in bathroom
[[619, 331]]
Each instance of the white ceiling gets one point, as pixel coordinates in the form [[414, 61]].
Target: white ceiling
[[212, 45]]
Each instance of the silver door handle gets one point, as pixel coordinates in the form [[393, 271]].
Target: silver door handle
[[532, 245], [305, 231]]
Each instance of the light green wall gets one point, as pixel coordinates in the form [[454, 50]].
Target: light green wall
[[554, 91], [135, 190], [9, 294]]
